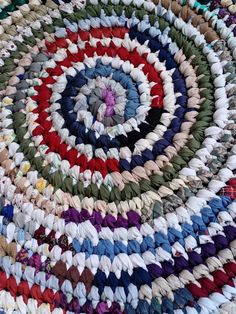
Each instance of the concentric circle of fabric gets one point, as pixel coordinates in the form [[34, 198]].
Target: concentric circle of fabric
[[117, 157]]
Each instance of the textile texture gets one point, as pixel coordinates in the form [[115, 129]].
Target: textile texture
[[117, 157]]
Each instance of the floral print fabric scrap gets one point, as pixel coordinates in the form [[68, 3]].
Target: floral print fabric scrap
[[117, 157]]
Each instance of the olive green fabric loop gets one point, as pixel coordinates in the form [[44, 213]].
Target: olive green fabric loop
[[104, 192], [204, 116], [30, 152], [56, 179], [127, 191], [92, 12], [3, 77], [6, 69], [94, 189], [30, 40], [135, 188], [19, 119], [38, 162], [117, 193], [80, 187], [88, 191], [186, 153], [178, 162], [38, 33], [145, 186], [156, 180], [45, 172], [67, 185], [168, 173], [194, 145], [16, 55], [22, 47], [47, 28], [58, 23], [25, 144], [80, 15]]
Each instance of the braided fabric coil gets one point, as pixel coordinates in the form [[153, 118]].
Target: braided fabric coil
[[117, 156]]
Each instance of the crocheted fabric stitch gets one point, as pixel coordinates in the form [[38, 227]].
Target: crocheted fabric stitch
[[117, 157]]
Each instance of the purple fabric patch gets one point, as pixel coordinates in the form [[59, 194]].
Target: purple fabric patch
[[109, 97]]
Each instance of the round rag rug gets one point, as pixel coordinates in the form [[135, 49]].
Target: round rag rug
[[117, 157]]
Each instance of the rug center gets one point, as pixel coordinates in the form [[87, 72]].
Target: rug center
[[109, 97]]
